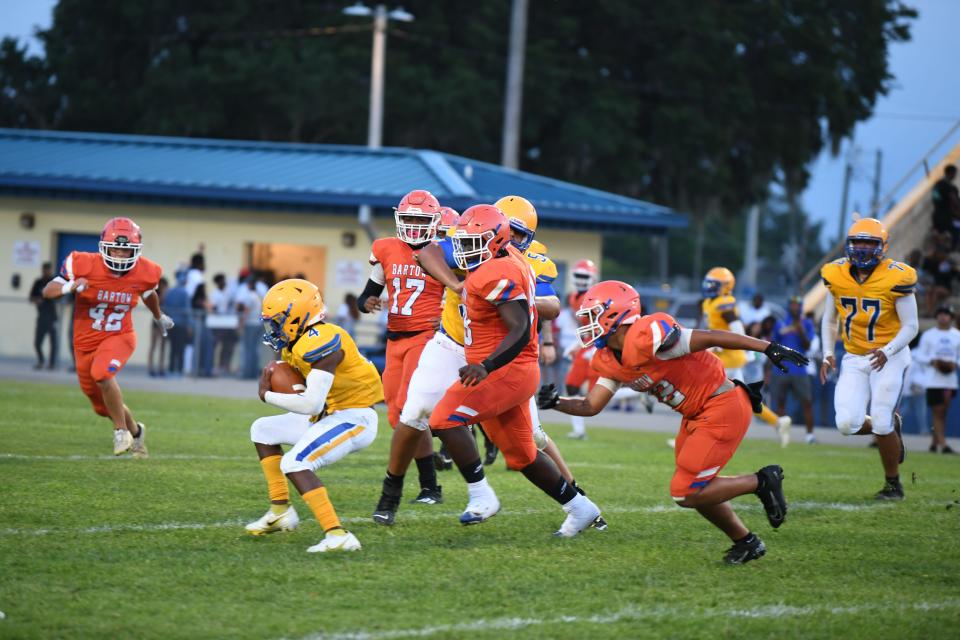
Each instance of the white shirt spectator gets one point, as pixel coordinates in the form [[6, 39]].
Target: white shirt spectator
[[194, 280], [221, 301], [250, 300], [750, 314], [939, 344]]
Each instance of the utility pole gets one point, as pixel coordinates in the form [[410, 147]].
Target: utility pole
[[875, 201], [377, 64], [847, 177], [749, 276], [513, 102]]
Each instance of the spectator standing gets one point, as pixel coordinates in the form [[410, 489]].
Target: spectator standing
[[203, 338], [195, 276], [348, 315], [946, 206], [940, 349], [941, 271], [797, 332], [46, 318], [155, 364], [755, 312], [177, 305], [248, 305], [224, 322]]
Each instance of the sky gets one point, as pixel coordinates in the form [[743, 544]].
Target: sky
[[921, 107]]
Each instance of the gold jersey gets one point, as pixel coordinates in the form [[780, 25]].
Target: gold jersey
[[451, 320], [867, 310], [713, 310], [356, 382]]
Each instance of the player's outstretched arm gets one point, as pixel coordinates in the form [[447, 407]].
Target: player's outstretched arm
[[434, 261], [310, 402], [590, 405], [59, 287], [704, 339]]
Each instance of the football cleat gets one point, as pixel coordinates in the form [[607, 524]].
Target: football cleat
[[386, 512], [480, 509], [271, 522], [429, 496], [581, 514], [336, 541], [897, 425], [774, 502], [811, 439], [892, 490], [783, 429], [122, 441], [577, 435], [490, 453], [599, 523], [139, 447], [441, 460], [746, 550]]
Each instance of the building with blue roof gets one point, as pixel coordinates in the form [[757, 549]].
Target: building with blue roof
[[278, 207]]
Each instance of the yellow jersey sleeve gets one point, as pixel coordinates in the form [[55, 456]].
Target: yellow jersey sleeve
[[356, 382], [867, 310], [544, 268]]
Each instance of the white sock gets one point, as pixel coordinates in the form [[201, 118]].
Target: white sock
[[579, 424], [479, 489], [579, 502]]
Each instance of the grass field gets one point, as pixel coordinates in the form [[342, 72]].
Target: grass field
[[92, 546]]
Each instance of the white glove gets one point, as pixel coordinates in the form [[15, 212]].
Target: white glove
[[165, 323]]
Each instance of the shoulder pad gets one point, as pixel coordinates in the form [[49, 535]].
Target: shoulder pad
[[318, 343]]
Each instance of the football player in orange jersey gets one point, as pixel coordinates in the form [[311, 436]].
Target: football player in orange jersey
[[583, 276], [653, 353], [502, 371], [107, 286], [414, 312]]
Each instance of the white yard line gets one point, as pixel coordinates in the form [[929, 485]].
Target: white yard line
[[452, 516], [632, 614], [80, 458]]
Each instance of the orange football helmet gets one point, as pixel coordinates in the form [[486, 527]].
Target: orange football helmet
[[448, 220], [584, 275], [867, 243], [604, 308], [719, 281], [120, 233], [522, 216], [483, 231], [417, 216]]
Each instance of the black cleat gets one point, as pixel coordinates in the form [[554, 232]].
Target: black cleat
[[491, 453], [897, 424], [429, 496], [774, 502], [441, 461], [746, 550], [892, 490], [599, 523], [386, 512]]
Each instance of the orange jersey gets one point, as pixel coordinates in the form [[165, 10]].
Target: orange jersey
[[494, 282], [573, 300], [415, 297], [103, 308], [683, 383]]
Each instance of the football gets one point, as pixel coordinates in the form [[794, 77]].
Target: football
[[944, 366], [286, 379]]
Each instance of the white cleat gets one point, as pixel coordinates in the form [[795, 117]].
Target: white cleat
[[811, 439], [122, 441], [577, 435], [480, 509], [139, 447], [783, 429], [344, 541], [581, 514], [271, 522]]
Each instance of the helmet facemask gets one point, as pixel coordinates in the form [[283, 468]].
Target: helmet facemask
[[415, 226], [120, 264], [590, 329], [582, 281], [517, 226], [864, 257], [470, 250]]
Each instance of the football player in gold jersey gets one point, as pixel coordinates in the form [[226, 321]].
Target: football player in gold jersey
[[873, 299], [720, 312], [332, 417]]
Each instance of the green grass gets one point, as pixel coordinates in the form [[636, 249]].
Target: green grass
[[103, 547]]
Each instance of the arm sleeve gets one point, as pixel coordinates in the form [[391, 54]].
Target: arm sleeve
[[909, 325], [372, 290], [828, 325], [311, 401]]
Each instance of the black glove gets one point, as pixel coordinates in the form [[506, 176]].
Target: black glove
[[548, 396], [778, 353]]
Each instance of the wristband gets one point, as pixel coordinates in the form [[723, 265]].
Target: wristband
[[67, 287]]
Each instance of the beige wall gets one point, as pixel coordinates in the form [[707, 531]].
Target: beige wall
[[171, 234]]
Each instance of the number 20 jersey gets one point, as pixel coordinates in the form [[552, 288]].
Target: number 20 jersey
[[414, 297], [867, 310], [684, 384], [103, 308]]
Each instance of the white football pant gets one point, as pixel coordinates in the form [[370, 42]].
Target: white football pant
[[438, 368], [859, 385]]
